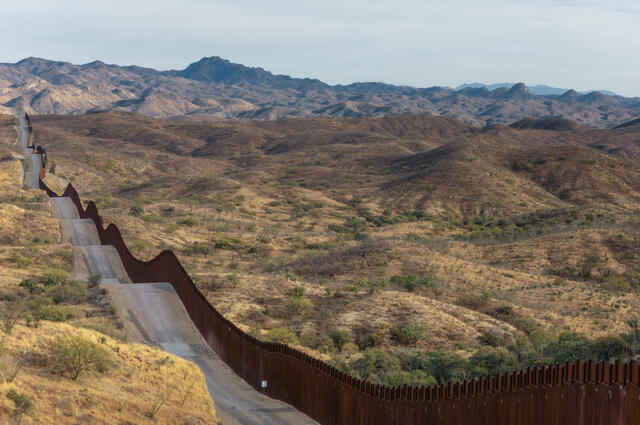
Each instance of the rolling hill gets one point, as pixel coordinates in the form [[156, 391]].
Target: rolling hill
[[216, 89]]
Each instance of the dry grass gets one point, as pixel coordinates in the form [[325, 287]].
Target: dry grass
[[123, 395], [29, 247]]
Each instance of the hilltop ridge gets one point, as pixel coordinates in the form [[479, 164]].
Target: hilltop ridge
[[217, 89]]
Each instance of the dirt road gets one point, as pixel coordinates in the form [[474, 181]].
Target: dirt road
[[153, 314]]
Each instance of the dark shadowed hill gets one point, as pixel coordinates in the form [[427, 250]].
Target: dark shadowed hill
[[216, 89]]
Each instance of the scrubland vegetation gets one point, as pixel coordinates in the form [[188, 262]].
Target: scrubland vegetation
[[63, 355], [403, 250]]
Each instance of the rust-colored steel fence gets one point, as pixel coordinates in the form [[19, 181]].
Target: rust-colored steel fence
[[580, 393]]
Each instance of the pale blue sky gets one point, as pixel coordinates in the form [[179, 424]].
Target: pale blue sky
[[582, 44]]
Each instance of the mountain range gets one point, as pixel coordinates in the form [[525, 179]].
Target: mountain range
[[540, 89], [216, 89]]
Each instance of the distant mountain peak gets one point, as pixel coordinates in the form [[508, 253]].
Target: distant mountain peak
[[519, 91], [214, 69]]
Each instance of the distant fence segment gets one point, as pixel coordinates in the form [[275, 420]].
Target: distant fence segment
[[580, 393]]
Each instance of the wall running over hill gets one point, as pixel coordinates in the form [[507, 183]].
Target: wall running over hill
[[580, 393]]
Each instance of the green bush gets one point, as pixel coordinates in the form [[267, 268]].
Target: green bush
[[22, 403], [70, 356], [282, 335], [609, 348], [136, 211], [414, 377], [411, 282], [297, 305], [569, 346], [411, 333], [375, 366], [296, 292], [189, 222], [31, 286], [493, 360], [443, 366], [340, 337], [55, 313], [70, 292]]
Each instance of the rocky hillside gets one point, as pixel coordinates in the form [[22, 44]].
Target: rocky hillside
[[215, 89]]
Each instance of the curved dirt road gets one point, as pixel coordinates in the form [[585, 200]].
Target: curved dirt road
[[33, 162], [153, 314]]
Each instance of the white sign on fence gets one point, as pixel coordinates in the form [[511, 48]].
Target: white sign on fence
[[264, 384]]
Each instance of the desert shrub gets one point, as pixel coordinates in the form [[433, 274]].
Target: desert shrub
[[229, 244], [472, 301], [492, 360], [107, 327], [94, 280], [297, 292], [139, 246], [340, 337], [31, 286], [53, 277], [11, 313], [70, 356], [136, 211], [150, 218], [199, 248], [369, 339], [366, 255], [282, 335], [54, 313], [443, 366], [297, 305], [413, 377], [569, 346], [503, 312], [70, 292], [609, 348], [23, 405], [494, 337], [317, 341], [375, 366], [22, 261], [352, 226], [411, 282], [234, 280], [188, 222], [411, 333]]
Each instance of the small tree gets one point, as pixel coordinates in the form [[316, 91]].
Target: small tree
[[23, 405], [234, 280], [70, 356], [11, 313], [340, 337], [161, 396], [187, 384], [297, 305], [10, 366], [411, 333]]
